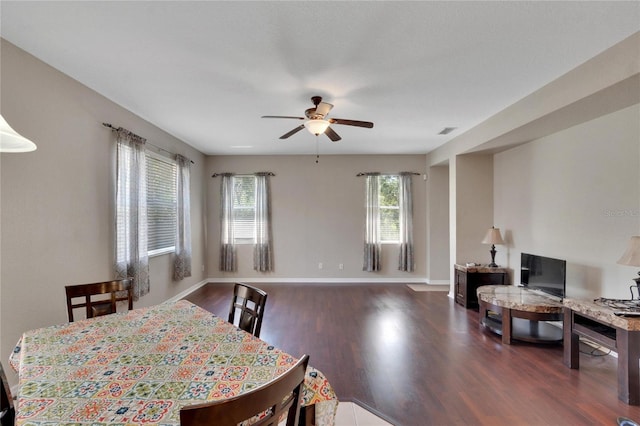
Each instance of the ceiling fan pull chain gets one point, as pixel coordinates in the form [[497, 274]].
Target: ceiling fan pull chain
[[317, 150]]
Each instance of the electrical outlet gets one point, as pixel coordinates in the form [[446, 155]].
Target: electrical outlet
[[320, 265], [341, 266]]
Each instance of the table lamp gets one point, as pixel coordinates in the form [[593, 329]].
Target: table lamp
[[631, 257], [493, 237]]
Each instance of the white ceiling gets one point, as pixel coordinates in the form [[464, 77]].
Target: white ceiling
[[206, 72]]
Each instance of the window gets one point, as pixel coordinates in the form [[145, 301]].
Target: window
[[161, 204], [244, 209], [388, 199]]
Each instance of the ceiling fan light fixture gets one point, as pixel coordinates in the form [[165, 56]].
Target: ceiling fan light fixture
[[316, 126]]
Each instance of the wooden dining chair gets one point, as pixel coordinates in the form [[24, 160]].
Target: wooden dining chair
[[275, 398], [248, 305], [7, 411], [94, 299]]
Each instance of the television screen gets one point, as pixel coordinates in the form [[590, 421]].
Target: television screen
[[543, 273]]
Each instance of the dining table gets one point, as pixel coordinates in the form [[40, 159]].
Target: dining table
[[142, 366]]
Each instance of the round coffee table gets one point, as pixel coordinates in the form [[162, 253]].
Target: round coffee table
[[517, 313]]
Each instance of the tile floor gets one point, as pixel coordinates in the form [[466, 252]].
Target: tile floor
[[351, 414]]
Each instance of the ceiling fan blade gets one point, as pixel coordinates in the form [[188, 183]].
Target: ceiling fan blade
[[283, 116], [357, 123], [292, 132], [323, 109], [332, 134]]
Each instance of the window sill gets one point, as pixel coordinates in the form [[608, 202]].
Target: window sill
[[160, 252]]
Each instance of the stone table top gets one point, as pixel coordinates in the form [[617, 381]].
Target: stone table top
[[602, 313], [480, 268], [518, 298]]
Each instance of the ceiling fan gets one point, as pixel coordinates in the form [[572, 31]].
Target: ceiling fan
[[317, 121]]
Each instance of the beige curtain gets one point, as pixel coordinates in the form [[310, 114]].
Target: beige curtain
[[182, 259], [263, 248], [227, 245], [132, 260], [406, 260], [372, 250]]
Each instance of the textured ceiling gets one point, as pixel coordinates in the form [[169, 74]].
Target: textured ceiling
[[206, 72]]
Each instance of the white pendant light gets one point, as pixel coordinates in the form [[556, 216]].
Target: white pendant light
[[316, 126], [12, 141]]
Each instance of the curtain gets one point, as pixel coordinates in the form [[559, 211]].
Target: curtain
[[406, 261], [132, 260], [182, 259], [372, 250], [262, 250], [227, 245]]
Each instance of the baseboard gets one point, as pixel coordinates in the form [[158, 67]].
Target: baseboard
[[188, 291], [372, 281], [439, 282], [369, 409]]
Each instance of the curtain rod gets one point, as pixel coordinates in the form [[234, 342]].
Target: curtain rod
[[108, 125], [243, 174], [385, 174]]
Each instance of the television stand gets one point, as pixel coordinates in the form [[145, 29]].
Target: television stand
[[516, 313], [600, 324]]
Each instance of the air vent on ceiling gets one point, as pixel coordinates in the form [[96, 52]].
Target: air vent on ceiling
[[447, 130]]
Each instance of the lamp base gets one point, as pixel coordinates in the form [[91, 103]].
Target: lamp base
[[493, 257]]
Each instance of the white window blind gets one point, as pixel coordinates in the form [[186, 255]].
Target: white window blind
[[388, 196], [244, 208], [161, 204]]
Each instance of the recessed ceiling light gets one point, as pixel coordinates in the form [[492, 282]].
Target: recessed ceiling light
[[241, 146], [447, 130]]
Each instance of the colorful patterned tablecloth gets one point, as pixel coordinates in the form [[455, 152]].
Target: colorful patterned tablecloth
[[141, 367]]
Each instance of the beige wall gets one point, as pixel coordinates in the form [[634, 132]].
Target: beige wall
[[57, 202], [438, 225], [574, 195], [605, 84], [318, 217], [474, 207]]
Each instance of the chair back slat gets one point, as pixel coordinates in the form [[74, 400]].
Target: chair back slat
[[7, 411], [94, 300], [279, 396], [248, 303]]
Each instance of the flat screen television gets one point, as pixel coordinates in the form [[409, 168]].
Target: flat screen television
[[544, 274]]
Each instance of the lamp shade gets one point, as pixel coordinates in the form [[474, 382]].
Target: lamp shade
[[316, 126], [12, 141], [493, 236], [631, 256]]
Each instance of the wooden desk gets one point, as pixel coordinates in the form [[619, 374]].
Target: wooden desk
[[501, 306], [599, 324], [469, 278]]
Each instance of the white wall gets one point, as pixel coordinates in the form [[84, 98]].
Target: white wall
[[318, 216], [575, 195], [57, 202]]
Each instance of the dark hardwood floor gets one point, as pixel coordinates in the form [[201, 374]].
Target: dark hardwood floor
[[420, 359]]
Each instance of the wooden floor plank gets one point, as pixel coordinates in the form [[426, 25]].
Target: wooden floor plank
[[419, 359]]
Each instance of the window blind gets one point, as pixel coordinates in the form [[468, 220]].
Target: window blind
[[244, 207], [161, 203]]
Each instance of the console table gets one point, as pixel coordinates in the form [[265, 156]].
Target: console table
[[469, 278], [519, 314], [599, 324]]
